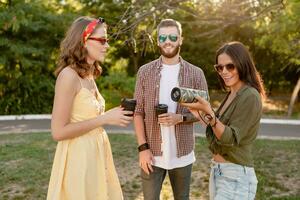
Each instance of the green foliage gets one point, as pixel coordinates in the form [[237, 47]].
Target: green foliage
[[117, 84], [28, 94], [278, 37], [29, 39], [31, 30]]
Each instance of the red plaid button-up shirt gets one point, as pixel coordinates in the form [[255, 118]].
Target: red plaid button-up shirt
[[147, 96]]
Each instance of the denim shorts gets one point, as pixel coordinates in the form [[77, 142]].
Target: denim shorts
[[229, 181]]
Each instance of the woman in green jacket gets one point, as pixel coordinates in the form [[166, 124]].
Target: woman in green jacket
[[232, 129]]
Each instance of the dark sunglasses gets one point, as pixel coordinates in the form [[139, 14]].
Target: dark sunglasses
[[101, 20], [229, 67], [163, 38], [103, 41]]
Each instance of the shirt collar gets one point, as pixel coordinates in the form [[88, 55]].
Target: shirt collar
[[242, 89], [159, 64]]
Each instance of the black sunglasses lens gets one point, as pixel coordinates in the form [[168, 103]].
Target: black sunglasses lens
[[230, 67], [219, 68]]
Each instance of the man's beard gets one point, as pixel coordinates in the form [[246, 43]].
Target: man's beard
[[171, 54]]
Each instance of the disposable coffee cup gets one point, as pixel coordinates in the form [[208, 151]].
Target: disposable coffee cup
[[129, 105], [160, 109]]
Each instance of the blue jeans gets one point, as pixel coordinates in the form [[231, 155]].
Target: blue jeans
[[229, 181], [179, 177]]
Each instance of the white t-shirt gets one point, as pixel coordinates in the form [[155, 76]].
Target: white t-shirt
[[169, 160]]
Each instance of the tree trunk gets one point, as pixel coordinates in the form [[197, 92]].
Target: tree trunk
[[135, 59], [294, 97], [135, 62]]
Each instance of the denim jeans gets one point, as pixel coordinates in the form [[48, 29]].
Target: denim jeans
[[179, 177], [229, 181]]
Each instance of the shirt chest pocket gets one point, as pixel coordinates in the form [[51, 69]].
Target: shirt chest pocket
[[227, 115]]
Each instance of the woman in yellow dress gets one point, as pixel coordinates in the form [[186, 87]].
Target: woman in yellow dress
[[83, 167]]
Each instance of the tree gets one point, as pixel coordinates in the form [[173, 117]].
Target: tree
[[133, 23], [30, 32], [280, 35]]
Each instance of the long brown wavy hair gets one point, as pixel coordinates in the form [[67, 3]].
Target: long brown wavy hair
[[243, 61], [72, 50]]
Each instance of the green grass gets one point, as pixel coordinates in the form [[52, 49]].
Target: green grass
[[26, 161]]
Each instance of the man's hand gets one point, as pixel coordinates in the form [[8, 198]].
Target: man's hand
[[146, 161], [169, 119]]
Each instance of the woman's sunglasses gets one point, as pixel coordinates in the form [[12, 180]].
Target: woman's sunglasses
[[103, 41], [229, 67], [163, 38], [89, 29]]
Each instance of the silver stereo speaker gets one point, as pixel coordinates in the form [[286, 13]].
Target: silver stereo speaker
[[187, 95]]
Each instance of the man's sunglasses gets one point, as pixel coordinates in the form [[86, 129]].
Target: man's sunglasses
[[163, 38], [229, 67], [103, 41]]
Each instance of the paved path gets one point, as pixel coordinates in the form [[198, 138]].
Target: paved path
[[269, 128]]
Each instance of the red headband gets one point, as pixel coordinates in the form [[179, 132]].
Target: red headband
[[89, 29]]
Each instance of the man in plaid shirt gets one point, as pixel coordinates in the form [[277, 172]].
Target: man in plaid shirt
[[166, 142]]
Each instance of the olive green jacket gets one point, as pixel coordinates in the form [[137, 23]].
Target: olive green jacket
[[241, 119]]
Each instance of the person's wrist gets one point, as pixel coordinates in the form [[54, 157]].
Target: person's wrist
[[213, 120], [102, 119], [209, 117], [143, 147], [214, 123]]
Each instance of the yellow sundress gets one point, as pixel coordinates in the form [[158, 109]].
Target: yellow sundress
[[83, 167]]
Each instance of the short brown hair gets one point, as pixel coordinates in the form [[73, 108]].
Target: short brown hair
[[168, 23], [72, 50]]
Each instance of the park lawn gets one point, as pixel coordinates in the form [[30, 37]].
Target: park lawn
[[26, 161]]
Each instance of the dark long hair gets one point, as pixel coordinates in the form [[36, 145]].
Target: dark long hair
[[243, 61], [72, 51]]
